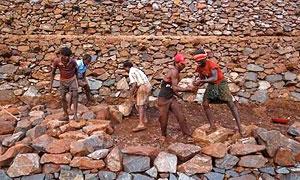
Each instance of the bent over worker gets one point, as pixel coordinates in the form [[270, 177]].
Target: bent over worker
[[217, 91], [166, 99]]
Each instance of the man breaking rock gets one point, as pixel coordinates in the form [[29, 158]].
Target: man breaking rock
[[68, 79], [167, 97], [141, 88], [217, 91]]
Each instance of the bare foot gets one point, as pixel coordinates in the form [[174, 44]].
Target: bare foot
[[64, 118], [75, 117], [140, 127]]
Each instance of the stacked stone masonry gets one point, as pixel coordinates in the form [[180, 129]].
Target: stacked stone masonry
[[255, 42]]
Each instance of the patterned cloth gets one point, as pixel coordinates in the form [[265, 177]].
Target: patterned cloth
[[217, 93], [138, 76]]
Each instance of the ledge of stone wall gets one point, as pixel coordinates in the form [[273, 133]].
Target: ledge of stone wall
[[144, 17], [257, 68]]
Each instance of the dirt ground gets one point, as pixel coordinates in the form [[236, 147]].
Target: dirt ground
[[259, 115]]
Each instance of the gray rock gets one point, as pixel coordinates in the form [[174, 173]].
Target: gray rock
[[71, 174], [295, 96], [152, 172], [219, 170], [36, 132], [124, 176], [94, 84], [91, 177], [172, 177], [253, 161], [88, 115], [184, 152], [214, 176], [244, 177], [8, 69], [291, 176], [289, 76], [274, 78], [273, 140], [23, 125], [107, 175], [9, 141], [141, 177], [294, 129], [285, 50], [264, 85], [254, 67], [282, 170], [183, 176], [232, 173], [34, 177], [166, 162], [109, 82], [251, 76], [250, 84], [136, 163], [228, 162], [268, 170], [31, 92], [266, 176], [260, 96], [99, 154], [3, 175], [244, 94]]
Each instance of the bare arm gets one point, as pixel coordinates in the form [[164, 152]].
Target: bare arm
[[174, 79], [52, 76], [212, 78]]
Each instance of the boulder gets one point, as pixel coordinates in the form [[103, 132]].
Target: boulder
[[56, 158], [11, 140], [141, 150], [273, 140], [198, 164], [284, 157], [217, 150], [70, 174], [25, 164], [87, 163], [228, 162], [166, 162], [221, 135], [114, 160], [253, 161], [244, 149], [12, 152], [91, 144], [106, 175], [184, 152], [99, 154], [133, 164]]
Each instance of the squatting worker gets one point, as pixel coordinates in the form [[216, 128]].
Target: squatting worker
[[167, 101], [217, 91], [141, 88], [68, 80]]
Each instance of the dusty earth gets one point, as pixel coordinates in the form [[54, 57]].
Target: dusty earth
[[259, 115]]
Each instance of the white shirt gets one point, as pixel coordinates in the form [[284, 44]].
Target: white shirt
[[137, 76]]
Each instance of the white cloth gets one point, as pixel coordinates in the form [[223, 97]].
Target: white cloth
[[138, 76]]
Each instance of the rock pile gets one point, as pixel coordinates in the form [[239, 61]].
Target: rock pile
[[145, 17], [39, 146]]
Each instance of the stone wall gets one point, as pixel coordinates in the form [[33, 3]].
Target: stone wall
[[149, 17], [256, 43]]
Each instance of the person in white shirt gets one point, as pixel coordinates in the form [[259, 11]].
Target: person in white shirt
[[141, 88]]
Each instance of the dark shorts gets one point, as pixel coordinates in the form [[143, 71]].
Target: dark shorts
[[70, 85], [217, 93]]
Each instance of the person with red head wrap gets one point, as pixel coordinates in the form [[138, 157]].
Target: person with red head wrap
[[166, 99], [217, 90]]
